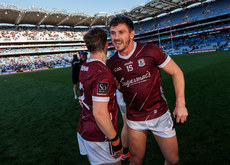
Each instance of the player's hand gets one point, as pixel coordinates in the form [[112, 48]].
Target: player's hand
[[118, 153], [80, 101], [180, 112], [117, 147]]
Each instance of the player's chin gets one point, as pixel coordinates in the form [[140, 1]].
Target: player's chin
[[119, 48]]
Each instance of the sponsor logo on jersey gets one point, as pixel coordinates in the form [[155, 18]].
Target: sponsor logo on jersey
[[102, 88], [84, 68], [141, 62], [117, 69], [135, 80]]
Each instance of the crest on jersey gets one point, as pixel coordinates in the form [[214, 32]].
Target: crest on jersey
[[141, 62], [102, 88]]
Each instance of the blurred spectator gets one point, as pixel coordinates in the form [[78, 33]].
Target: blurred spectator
[[22, 63]]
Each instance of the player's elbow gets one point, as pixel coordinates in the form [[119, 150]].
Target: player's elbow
[[100, 110], [178, 73], [97, 114]]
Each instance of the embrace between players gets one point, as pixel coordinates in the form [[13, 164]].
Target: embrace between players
[[136, 68]]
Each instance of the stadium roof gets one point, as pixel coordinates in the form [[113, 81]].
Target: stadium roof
[[12, 14]]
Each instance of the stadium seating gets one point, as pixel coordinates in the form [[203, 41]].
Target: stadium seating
[[26, 63], [189, 30], [34, 34], [201, 28]]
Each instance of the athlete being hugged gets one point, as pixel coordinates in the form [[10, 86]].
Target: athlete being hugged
[[137, 66], [98, 124]]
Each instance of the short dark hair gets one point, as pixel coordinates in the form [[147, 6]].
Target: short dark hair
[[122, 19], [95, 39]]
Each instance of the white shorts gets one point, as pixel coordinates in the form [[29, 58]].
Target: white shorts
[[161, 126], [97, 152], [121, 102]]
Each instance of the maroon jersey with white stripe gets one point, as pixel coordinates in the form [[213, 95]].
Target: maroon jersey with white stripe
[[140, 79], [96, 83]]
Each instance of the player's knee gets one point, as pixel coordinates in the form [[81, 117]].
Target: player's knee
[[136, 159], [173, 161]]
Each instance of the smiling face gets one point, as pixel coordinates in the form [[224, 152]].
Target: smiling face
[[122, 38]]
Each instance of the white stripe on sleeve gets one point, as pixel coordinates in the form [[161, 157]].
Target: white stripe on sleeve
[[165, 62], [100, 99]]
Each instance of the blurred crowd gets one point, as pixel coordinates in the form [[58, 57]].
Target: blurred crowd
[[22, 63], [35, 34]]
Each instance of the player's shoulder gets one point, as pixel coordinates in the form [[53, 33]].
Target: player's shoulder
[[100, 71], [113, 57], [147, 45]]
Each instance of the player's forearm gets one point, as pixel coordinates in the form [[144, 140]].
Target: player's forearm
[[102, 117], [179, 86]]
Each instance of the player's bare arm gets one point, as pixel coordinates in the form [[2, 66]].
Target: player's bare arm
[[180, 111], [102, 117]]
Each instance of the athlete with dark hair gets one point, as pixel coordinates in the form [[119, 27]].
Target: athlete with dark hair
[[137, 66]]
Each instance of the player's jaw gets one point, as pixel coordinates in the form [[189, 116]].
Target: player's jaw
[[121, 45]]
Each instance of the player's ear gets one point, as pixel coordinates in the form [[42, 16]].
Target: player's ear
[[132, 34], [107, 45]]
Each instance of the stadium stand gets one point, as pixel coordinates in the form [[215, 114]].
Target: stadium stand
[[30, 63], [201, 28], [51, 38]]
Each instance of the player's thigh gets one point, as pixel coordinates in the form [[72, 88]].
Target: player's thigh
[[168, 146], [117, 163], [137, 142]]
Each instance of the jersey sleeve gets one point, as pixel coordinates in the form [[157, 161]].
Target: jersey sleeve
[[160, 57], [102, 87]]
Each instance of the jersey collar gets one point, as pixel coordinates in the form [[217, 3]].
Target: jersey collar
[[130, 54], [92, 60]]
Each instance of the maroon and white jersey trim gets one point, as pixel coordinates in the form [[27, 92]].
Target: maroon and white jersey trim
[[130, 54], [96, 83], [140, 80], [92, 60], [165, 63], [100, 99]]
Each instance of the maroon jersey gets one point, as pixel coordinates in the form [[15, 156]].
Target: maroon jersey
[[140, 79], [96, 83]]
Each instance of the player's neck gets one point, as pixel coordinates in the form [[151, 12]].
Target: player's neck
[[99, 55], [128, 50]]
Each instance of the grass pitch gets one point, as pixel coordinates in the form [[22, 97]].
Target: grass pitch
[[39, 116]]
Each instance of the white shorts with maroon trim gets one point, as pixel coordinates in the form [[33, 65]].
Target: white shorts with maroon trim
[[121, 102], [161, 126], [97, 152]]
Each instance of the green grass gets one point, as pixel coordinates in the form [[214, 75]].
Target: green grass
[[39, 116]]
